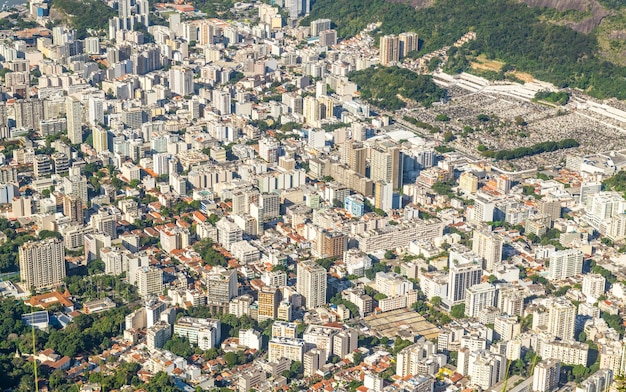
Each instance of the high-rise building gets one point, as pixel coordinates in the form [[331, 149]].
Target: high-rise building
[[290, 348], [92, 45], [486, 368], [479, 297], [555, 316], [76, 185], [100, 139], [123, 8], [74, 112], [96, 110], [311, 110], [318, 26], [313, 360], [181, 81], [143, 12], [149, 281], [487, 246], [105, 221], [461, 277], [222, 102], [565, 263], [389, 50], [228, 233], [42, 166], [42, 263], [481, 211], [160, 163], [311, 284], [546, 375], [73, 209], [409, 42], [269, 299], [222, 287], [511, 300], [355, 154], [409, 358], [385, 198], [599, 381], [328, 37], [593, 285], [269, 150], [30, 112], [386, 164], [206, 333]]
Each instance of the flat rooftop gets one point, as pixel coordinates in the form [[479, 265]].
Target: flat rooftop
[[390, 324]]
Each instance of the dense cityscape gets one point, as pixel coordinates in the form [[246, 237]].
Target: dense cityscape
[[256, 202]]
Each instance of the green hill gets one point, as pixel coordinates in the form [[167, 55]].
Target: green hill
[[85, 14], [526, 39]]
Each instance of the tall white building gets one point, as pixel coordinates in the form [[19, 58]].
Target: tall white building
[[181, 81], [311, 284], [149, 281], [160, 163], [565, 263], [461, 277], [556, 316], [486, 368], [42, 263], [74, 112], [92, 45], [479, 297], [206, 333], [487, 246], [222, 102], [593, 285], [409, 359], [96, 110], [546, 375]]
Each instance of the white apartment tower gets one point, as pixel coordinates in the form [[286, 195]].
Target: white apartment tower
[[593, 285], [149, 281], [181, 81], [42, 263], [489, 247], [565, 263], [74, 112], [461, 277], [96, 110], [546, 375], [479, 297], [311, 284]]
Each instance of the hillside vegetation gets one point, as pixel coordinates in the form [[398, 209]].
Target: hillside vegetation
[[85, 15], [506, 30], [389, 88]]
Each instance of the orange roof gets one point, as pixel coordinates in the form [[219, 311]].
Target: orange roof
[[49, 299]]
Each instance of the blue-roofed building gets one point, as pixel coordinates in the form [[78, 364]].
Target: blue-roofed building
[[39, 320]]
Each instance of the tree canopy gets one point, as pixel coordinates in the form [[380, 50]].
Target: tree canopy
[[506, 30]]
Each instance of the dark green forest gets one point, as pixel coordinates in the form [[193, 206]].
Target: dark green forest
[[506, 30], [381, 87]]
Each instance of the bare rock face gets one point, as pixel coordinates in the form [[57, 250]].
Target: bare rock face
[[417, 4], [598, 12], [562, 5]]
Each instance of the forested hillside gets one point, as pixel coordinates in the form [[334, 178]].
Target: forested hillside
[[507, 30], [85, 14]]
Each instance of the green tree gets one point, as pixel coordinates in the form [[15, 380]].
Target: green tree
[[458, 311]]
